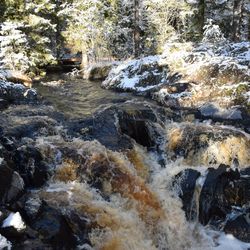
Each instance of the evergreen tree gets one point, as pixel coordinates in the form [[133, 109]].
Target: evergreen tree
[[14, 47], [38, 22]]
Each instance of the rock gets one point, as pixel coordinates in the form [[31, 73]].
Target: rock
[[238, 193], [32, 207], [214, 204], [54, 229], [137, 75], [80, 227], [3, 104], [101, 127], [245, 171], [239, 227], [34, 244], [4, 243], [202, 144], [17, 123], [17, 77], [210, 110], [11, 184], [139, 123], [98, 71], [13, 227], [31, 166], [16, 93], [116, 126], [186, 181]]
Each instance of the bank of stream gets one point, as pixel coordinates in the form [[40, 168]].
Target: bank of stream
[[96, 169]]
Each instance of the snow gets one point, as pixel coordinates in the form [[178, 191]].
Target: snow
[[128, 74], [229, 242], [4, 243], [14, 220]]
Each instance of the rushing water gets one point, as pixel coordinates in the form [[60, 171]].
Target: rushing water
[[142, 211]]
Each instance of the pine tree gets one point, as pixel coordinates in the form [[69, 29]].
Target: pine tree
[[14, 47]]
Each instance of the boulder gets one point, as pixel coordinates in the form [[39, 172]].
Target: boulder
[[11, 184], [239, 227], [186, 183], [116, 127], [137, 75], [214, 204], [98, 71], [16, 93], [54, 229], [13, 227], [29, 163]]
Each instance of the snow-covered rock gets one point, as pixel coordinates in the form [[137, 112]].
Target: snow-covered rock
[[192, 75], [137, 75], [14, 220], [217, 73], [4, 243], [16, 92]]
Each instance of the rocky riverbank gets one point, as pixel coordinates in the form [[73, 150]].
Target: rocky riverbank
[[131, 174]]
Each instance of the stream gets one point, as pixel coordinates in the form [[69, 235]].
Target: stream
[[121, 172], [77, 97]]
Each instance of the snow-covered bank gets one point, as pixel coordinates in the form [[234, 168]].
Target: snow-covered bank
[[137, 75], [189, 75]]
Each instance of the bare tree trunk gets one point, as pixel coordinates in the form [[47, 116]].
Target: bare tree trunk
[[136, 34], [238, 10], [202, 13]]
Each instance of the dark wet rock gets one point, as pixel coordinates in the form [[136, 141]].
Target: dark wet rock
[[80, 226], [101, 127], [238, 192], [210, 110], [32, 207], [139, 124], [186, 181], [3, 104], [214, 204], [239, 227], [11, 184], [34, 244], [12, 233], [13, 227], [28, 121], [236, 116], [54, 229], [115, 126], [31, 165], [245, 171]]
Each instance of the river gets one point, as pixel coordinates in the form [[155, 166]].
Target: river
[[126, 199]]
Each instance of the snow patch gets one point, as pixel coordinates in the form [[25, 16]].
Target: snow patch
[[4, 243], [14, 220]]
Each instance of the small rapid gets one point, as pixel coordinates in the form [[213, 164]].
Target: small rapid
[[129, 198]]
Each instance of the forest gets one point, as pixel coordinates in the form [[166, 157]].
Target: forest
[[125, 124]]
